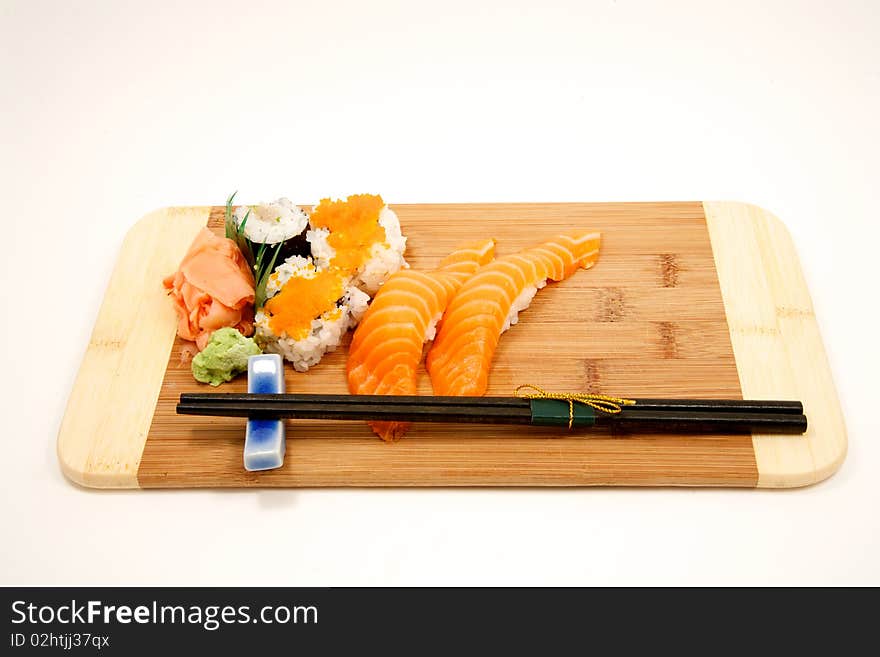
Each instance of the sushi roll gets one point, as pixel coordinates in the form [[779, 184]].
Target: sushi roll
[[361, 236], [280, 225], [331, 264], [307, 312]]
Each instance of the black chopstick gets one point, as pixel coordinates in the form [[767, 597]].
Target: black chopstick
[[695, 405], [634, 421], [702, 416], [379, 412]]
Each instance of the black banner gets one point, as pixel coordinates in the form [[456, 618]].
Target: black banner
[[327, 621]]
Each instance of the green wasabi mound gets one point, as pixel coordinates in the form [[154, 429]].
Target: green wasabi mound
[[224, 358]]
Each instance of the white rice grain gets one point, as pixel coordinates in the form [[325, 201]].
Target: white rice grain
[[521, 303], [271, 222], [326, 331], [385, 257]]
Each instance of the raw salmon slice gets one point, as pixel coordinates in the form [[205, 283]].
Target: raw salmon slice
[[386, 348], [489, 302]]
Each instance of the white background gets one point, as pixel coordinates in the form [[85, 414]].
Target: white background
[[110, 110]]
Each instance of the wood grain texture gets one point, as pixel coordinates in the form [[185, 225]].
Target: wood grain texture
[[111, 405], [648, 320], [779, 352]]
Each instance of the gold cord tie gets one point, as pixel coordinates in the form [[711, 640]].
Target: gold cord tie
[[601, 403]]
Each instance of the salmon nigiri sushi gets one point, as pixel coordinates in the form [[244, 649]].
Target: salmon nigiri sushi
[[489, 303], [387, 346]]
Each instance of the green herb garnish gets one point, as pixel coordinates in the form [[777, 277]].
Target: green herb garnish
[[257, 261], [262, 272], [244, 222], [236, 233], [229, 223]]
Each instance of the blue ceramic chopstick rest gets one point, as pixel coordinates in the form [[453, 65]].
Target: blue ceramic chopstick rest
[[264, 442]]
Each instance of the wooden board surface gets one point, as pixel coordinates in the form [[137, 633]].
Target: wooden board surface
[[687, 300]]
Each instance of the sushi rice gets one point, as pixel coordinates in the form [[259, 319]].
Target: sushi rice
[[521, 302], [371, 244], [385, 258], [270, 223], [326, 330]]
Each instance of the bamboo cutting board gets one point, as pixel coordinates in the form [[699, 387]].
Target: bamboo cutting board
[[687, 300]]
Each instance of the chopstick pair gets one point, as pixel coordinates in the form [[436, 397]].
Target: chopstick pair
[[715, 416]]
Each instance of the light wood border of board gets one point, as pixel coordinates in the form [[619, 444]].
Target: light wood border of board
[[779, 351], [133, 333]]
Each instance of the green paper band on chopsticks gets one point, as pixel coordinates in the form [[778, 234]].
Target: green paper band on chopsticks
[[580, 408], [561, 413]]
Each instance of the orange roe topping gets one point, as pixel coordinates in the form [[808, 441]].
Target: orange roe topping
[[301, 300], [354, 228]]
